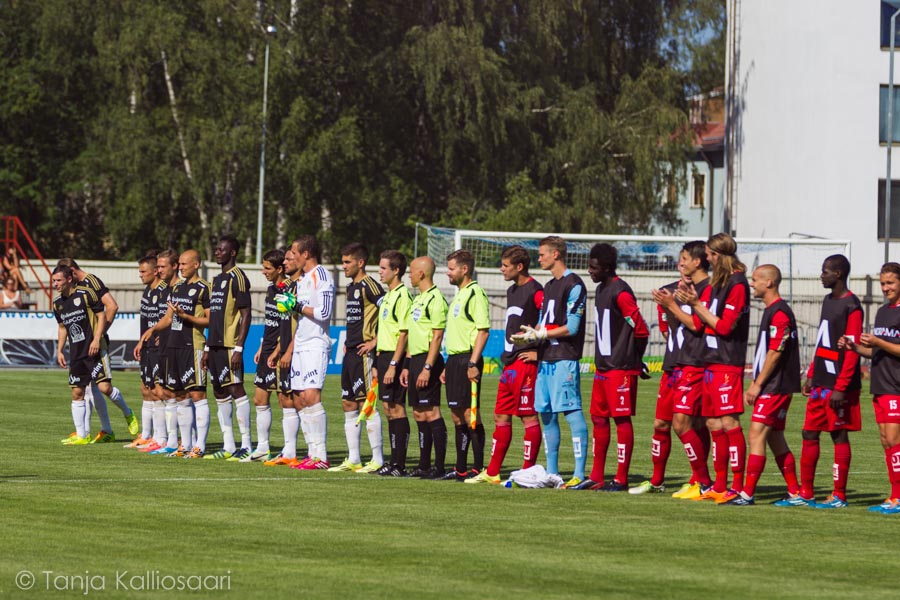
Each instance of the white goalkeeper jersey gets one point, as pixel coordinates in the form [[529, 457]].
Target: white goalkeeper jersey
[[316, 289]]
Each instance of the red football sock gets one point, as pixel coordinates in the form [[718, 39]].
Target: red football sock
[[737, 452], [788, 468], [720, 459], [693, 448], [755, 466], [892, 458], [809, 457], [502, 438], [601, 446], [624, 447], [531, 444], [841, 469], [705, 439], [659, 452]]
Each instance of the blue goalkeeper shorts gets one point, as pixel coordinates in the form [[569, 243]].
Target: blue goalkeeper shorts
[[558, 387]]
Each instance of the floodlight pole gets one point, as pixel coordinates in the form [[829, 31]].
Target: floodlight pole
[[262, 158], [890, 143]]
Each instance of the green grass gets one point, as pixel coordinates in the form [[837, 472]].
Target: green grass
[[103, 509]]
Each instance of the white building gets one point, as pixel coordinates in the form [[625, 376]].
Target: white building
[[803, 156]]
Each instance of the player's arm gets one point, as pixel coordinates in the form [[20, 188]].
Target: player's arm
[[61, 336], [669, 304], [110, 308], [867, 344], [853, 330], [734, 307], [573, 323], [481, 338], [398, 359], [774, 353], [243, 328], [437, 336], [94, 348], [627, 304], [164, 323], [285, 361]]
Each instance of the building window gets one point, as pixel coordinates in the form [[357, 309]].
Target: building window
[[888, 8], [698, 190], [895, 209], [883, 116]]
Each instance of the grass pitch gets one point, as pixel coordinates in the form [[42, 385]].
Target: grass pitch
[[104, 521]]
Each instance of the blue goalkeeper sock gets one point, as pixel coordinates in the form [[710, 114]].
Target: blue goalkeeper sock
[[579, 440], [551, 441]]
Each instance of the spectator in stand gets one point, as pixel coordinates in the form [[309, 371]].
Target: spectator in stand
[[9, 296], [11, 266]]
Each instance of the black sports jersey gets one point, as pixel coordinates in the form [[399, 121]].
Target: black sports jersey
[[691, 345], [272, 325], [163, 307], [614, 345], [562, 297], [731, 349], [363, 297], [92, 282], [288, 320], [829, 360], [522, 308], [886, 366], [192, 298], [670, 355], [150, 306], [785, 379], [229, 293], [77, 312]]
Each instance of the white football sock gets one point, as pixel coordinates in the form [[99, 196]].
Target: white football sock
[[92, 393], [78, 409], [160, 427], [242, 408], [290, 423], [202, 421], [185, 423], [171, 422], [351, 430], [318, 430], [376, 440], [226, 424], [147, 419], [119, 400], [304, 427], [264, 426]]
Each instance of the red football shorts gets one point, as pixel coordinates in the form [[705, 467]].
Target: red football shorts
[[515, 394], [664, 397], [887, 408], [821, 417], [687, 397], [723, 392], [771, 410], [614, 394]]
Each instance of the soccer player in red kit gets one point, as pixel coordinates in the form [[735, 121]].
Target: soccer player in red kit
[[690, 362], [776, 377], [883, 347], [726, 321], [620, 338], [515, 394], [832, 384]]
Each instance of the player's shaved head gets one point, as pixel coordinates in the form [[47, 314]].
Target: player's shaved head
[[769, 272], [424, 264], [190, 256]]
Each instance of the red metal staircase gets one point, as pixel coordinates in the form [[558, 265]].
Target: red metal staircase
[[15, 235]]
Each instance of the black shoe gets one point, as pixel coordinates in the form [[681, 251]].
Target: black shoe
[[587, 484], [613, 486], [420, 472], [434, 473], [397, 472], [384, 470], [454, 475]]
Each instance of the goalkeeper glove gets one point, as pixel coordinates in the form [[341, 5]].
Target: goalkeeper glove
[[285, 302], [529, 334]]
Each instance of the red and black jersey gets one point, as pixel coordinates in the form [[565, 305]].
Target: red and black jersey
[[523, 307], [670, 358], [778, 331], [617, 323], [727, 343], [832, 368], [886, 366], [692, 344], [564, 297]]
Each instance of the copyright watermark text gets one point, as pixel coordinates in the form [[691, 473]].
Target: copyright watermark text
[[148, 581]]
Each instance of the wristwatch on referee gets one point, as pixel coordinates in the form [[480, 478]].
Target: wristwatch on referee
[[427, 367], [393, 363], [471, 364]]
